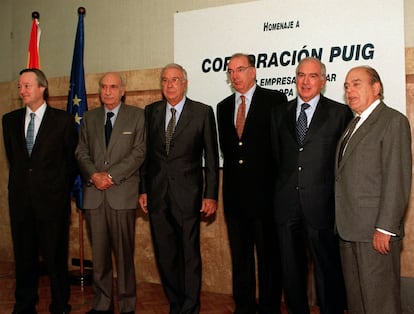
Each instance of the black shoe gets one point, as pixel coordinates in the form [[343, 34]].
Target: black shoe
[[66, 310], [93, 311]]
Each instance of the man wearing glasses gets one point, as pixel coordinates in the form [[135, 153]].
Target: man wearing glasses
[[176, 190], [244, 133]]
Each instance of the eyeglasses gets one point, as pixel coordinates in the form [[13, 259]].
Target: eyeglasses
[[174, 80], [237, 70]]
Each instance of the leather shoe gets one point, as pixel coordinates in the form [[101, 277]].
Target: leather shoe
[[93, 311], [132, 312]]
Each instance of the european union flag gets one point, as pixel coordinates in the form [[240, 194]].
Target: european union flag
[[77, 102]]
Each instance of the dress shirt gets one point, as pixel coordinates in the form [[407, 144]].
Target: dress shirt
[[311, 110], [248, 99], [366, 113], [39, 113], [178, 107], [114, 111]]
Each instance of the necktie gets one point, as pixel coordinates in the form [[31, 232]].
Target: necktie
[[241, 116], [351, 128], [302, 123], [170, 130], [108, 127], [30, 133]]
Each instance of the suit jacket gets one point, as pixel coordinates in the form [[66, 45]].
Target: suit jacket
[[180, 173], [374, 177], [248, 168], [43, 180], [121, 159], [305, 173]]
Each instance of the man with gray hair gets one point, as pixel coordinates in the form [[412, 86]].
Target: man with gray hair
[[174, 190], [110, 151], [304, 137]]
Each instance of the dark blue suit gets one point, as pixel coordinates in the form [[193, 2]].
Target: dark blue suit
[[248, 177], [39, 202], [304, 203], [175, 185]]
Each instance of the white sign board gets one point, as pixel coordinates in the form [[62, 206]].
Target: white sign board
[[343, 34]]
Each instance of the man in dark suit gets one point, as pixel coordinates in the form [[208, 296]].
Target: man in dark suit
[[179, 132], [40, 143], [304, 190], [248, 171], [110, 152], [373, 179]]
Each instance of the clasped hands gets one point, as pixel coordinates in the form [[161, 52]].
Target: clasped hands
[[102, 180]]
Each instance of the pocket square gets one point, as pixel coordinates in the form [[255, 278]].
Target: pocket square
[[127, 132]]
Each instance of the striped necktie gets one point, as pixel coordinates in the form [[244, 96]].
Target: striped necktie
[[30, 133], [302, 123], [170, 130]]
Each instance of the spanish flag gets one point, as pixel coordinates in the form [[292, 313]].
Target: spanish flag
[[33, 59]]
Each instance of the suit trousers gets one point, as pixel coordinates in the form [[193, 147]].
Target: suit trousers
[[372, 279], [32, 236], [244, 236], [176, 238], [297, 240], [112, 231]]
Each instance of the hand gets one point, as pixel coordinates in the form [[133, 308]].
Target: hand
[[101, 180], [381, 242], [208, 207], [142, 201]]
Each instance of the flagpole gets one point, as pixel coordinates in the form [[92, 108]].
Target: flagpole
[[33, 59], [77, 98]]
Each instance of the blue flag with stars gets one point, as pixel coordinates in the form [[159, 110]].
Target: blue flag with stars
[[77, 102]]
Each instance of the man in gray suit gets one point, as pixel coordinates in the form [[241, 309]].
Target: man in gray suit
[[373, 177], [175, 190], [109, 161]]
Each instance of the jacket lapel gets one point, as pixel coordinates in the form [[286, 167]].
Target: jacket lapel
[[319, 117], [360, 133], [291, 119], [185, 118]]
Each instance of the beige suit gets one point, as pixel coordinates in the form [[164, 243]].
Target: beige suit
[[372, 186], [110, 213]]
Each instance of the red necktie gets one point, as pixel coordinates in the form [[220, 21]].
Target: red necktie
[[241, 116]]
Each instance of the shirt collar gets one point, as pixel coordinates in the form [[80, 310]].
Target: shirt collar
[[179, 107], [365, 114], [40, 112], [248, 94], [312, 103]]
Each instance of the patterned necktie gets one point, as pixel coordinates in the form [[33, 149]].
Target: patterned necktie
[[302, 123], [170, 130], [351, 128], [108, 127], [30, 133], [241, 116]]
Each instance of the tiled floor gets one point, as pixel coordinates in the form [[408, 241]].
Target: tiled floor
[[151, 299]]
